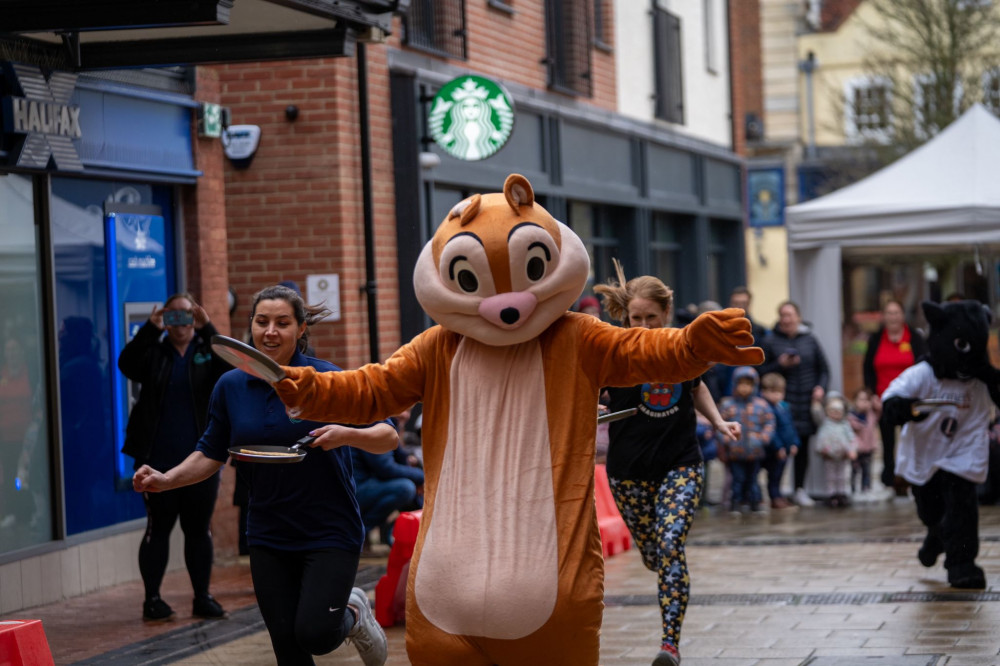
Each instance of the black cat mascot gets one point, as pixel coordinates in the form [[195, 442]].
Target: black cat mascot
[[943, 450]]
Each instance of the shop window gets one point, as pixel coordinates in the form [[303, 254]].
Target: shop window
[[437, 26], [665, 249], [724, 258], [599, 227], [25, 464], [669, 93], [98, 491], [567, 29]]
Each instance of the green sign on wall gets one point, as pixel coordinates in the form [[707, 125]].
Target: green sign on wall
[[471, 117]]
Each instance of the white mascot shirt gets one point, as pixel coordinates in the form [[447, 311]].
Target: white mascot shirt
[[954, 439]]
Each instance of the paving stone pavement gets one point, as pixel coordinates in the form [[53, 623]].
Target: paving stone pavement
[[816, 587]]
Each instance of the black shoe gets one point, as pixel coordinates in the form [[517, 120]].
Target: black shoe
[[967, 577], [156, 610], [208, 608], [928, 553]]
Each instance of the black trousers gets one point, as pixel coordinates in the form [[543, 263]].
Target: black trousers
[[194, 505], [947, 505], [303, 596]]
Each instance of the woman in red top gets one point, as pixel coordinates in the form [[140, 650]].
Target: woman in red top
[[891, 349]]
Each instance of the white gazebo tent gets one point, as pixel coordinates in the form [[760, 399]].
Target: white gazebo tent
[[945, 194]]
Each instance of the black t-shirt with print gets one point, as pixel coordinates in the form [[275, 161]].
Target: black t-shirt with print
[[661, 435]]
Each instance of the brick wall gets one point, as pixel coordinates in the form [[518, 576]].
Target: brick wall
[[511, 47], [206, 271], [747, 81], [297, 210]]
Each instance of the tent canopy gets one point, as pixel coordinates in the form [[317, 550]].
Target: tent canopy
[[944, 193]]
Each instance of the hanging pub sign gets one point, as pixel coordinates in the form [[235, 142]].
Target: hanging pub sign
[[39, 123], [471, 117]]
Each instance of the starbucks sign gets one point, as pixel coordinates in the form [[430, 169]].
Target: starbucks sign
[[471, 117]]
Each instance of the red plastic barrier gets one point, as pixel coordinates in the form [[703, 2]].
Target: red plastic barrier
[[23, 643], [615, 537], [390, 592]]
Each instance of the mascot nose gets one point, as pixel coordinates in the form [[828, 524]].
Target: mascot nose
[[508, 310]]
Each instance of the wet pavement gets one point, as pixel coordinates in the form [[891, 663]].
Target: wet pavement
[[815, 586]]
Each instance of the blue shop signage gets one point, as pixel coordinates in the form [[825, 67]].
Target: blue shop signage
[[40, 124]]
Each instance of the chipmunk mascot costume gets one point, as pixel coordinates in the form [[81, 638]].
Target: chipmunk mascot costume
[[508, 567], [943, 449]]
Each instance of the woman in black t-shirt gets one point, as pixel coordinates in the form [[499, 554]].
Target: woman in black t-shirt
[[655, 468]]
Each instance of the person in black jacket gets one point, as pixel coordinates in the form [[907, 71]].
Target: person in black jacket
[[178, 372], [795, 353]]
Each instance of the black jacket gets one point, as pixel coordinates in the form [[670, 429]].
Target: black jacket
[[916, 342], [148, 359], [812, 371]]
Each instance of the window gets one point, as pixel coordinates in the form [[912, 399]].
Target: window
[[669, 94], [596, 227], [567, 26], [665, 249], [25, 493], [437, 26], [935, 104], [991, 90], [602, 38], [867, 111]]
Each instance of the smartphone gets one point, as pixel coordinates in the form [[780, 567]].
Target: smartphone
[[177, 318], [793, 352]]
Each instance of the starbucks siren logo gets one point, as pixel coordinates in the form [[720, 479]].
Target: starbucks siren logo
[[471, 118]]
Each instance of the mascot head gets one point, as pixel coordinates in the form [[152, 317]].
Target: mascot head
[[958, 337], [500, 269]]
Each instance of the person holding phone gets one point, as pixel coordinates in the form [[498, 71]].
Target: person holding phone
[[794, 352], [171, 357]]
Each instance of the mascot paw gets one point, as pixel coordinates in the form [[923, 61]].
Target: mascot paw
[[900, 411], [724, 336]]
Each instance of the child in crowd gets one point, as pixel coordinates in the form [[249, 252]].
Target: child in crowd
[[745, 455], [785, 442], [835, 445], [864, 421]]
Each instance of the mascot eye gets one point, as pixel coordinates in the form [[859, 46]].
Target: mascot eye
[[462, 272], [538, 258], [467, 281], [962, 345]]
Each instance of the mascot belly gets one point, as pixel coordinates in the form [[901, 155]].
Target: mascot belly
[[507, 568]]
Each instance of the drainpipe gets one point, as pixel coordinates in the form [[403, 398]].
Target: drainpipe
[[370, 287], [807, 67]]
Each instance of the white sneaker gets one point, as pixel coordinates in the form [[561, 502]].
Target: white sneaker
[[802, 498], [366, 635]]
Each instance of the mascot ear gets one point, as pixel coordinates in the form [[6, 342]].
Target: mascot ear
[[934, 314], [988, 313], [518, 192]]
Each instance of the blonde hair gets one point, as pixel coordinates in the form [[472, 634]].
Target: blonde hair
[[773, 381], [617, 294]]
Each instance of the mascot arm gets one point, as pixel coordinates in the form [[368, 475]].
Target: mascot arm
[[633, 355], [371, 393], [899, 410]]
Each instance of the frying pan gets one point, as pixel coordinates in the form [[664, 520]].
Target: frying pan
[[246, 358], [617, 416], [274, 455], [931, 404]]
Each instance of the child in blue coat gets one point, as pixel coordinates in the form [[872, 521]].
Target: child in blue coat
[[785, 443]]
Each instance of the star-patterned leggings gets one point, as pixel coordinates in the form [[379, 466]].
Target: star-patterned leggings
[[659, 515]]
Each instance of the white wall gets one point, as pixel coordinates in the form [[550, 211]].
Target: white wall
[[706, 93]]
